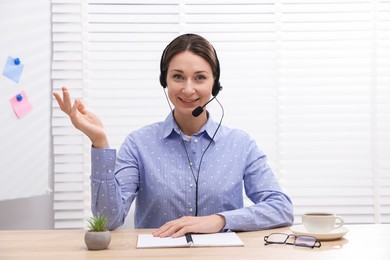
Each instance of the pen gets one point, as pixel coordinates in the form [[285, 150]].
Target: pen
[[189, 239]]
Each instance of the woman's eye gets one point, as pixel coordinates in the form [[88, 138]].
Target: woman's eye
[[177, 76], [200, 77]]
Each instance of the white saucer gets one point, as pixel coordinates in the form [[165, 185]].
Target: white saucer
[[337, 233]]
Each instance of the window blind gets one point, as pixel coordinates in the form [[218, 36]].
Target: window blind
[[381, 107], [325, 109], [70, 165], [307, 80]]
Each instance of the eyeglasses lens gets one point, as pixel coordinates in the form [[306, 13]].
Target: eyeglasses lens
[[305, 241], [277, 238]]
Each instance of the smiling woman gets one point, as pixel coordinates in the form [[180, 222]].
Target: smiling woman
[[307, 80], [154, 165], [190, 81]]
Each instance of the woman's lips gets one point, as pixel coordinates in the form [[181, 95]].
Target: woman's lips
[[188, 101]]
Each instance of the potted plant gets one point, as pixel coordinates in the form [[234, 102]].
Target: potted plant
[[98, 237]]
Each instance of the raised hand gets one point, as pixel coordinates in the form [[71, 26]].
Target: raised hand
[[82, 119]]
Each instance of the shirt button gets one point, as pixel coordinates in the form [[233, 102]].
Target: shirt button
[[190, 210], [109, 171], [191, 185], [195, 140]]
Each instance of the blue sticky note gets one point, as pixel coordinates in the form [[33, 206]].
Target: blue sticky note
[[13, 69]]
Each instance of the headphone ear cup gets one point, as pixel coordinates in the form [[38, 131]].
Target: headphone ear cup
[[163, 80], [216, 88]]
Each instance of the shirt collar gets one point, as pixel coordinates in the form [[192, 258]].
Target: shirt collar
[[170, 127]]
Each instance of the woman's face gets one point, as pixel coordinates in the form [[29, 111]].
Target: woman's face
[[190, 80]]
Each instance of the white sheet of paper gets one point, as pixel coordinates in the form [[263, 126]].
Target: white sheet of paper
[[200, 240]]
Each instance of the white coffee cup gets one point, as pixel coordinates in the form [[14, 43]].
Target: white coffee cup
[[321, 222]]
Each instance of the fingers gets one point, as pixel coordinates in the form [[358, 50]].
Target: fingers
[[165, 233], [181, 232], [174, 231], [165, 230], [67, 105], [64, 102], [175, 228], [180, 227], [73, 114], [81, 107], [73, 110], [59, 99]]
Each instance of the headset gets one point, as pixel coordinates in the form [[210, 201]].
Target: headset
[[163, 71]]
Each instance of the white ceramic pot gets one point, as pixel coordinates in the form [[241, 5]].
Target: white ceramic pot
[[97, 240]]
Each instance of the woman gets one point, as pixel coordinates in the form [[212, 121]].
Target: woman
[[187, 172]]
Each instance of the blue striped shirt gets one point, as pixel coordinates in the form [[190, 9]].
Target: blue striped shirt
[[153, 166]]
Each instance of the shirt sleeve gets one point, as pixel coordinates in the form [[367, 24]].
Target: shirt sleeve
[[111, 195], [272, 208]]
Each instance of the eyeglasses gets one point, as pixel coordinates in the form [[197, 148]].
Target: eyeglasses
[[281, 238]]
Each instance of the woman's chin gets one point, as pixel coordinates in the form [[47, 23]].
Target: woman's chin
[[185, 111]]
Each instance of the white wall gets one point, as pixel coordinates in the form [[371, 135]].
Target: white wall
[[25, 150]]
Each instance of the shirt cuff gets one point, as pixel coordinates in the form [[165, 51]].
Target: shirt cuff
[[103, 163], [228, 220]]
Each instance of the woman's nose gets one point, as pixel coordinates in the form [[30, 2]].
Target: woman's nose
[[189, 87]]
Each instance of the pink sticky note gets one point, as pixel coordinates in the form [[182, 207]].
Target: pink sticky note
[[21, 104]]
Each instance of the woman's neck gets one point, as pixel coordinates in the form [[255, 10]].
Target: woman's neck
[[189, 124]]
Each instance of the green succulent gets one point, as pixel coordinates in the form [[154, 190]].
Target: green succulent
[[98, 223]]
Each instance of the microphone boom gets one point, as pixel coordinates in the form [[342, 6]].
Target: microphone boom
[[199, 110]]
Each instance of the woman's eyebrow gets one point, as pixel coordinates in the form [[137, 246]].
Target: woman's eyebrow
[[176, 70], [201, 71], [196, 72]]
